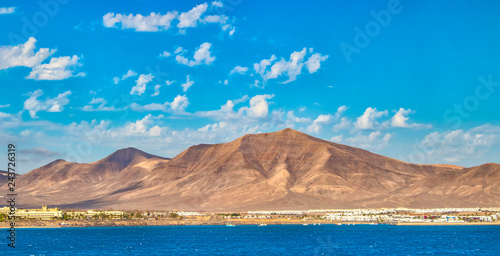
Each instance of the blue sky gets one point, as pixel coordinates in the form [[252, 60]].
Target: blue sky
[[412, 80]]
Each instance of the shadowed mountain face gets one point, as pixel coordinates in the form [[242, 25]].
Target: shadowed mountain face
[[4, 177], [281, 170]]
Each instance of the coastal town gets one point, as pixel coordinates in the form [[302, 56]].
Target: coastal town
[[55, 217]]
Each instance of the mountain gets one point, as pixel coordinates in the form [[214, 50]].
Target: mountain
[[280, 170], [4, 177]]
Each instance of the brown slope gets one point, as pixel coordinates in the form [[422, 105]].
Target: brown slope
[[276, 168], [62, 181], [281, 170]]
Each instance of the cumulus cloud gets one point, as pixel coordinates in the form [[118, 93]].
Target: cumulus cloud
[[154, 22], [7, 10], [157, 90], [314, 62], [217, 4], [456, 145], [191, 18], [165, 54], [179, 104], [141, 83], [343, 124], [144, 127], [239, 70], [202, 55], [318, 123], [368, 119], [150, 23], [23, 55], [129, 73], [34, 105], [259, 106], [101, 105], [57, 69], [374, 140], [187, 84], [291, 118], [400, 119], [257, 109], [290, 68]]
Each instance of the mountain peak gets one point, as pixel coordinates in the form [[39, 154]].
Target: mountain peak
[[128, 156]]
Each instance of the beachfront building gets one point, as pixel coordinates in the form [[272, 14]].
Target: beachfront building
[[94, 213], [35, 214]]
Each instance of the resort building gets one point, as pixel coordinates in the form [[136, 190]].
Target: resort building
[[35, 214]]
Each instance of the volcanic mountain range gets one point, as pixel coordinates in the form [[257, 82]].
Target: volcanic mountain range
[[269, 171]]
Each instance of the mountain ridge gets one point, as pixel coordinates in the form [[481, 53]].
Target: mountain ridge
[[287, 169]]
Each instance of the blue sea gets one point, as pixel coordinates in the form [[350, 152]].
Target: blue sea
[[254, 240]]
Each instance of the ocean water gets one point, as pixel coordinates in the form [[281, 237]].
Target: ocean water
[[254, 240]]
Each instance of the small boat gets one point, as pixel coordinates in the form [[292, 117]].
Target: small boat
[[339, 224], [262, 225], [230, 225], [305, 224]]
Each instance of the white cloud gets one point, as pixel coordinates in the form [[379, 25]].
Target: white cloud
[[151, 23], [179, 104], [343, 124], [141, 83], [374, 140], [202, 55], [259, 106], [293, 119], [191, 18], [217, 4], [23, 55], [168, 82], [164, 54], [239, 70], [179, 50], [314, 62], [129, 73], [5, 106], [318, 123], [368, 119], [291, 68], [226, 82], [57, 69], [144, 127], [101, 102], [157, 90], [154, 22], [457, 145], [7, 10], [256, 111], [33, 105], [187, 84], [401, 117], [222, 19]]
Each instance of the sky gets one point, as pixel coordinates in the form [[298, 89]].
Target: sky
[[418, 81]]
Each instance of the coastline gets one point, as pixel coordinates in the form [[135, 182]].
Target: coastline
[[195, 222], [494, 223]]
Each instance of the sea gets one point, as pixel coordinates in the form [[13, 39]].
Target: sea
[[255, 240]]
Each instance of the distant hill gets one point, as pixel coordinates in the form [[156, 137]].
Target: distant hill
[[4, 177], [280, 170]]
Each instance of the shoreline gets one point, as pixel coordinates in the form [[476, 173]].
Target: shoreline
[[235, 222]]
